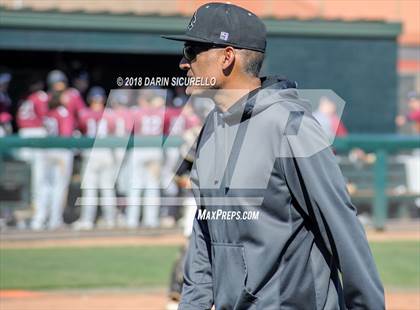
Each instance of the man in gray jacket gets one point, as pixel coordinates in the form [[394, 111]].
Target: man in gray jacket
[[275, 228]]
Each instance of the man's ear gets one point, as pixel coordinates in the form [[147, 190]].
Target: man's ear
[[228, 58]]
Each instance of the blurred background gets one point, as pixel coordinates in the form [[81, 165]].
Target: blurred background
[[74, 237]]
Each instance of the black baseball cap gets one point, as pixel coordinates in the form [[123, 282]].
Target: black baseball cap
[[225, 24]]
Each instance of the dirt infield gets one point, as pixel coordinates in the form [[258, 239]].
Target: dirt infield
[[413, 235], [83, 301], [177, 239], [104, 300]]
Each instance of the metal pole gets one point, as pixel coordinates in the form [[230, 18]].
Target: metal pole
[[380, 204]]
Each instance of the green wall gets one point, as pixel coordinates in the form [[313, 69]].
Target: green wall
[[361, 71]]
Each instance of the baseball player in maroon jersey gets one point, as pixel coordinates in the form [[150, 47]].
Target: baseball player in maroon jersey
[[30, 114], [71, 98], [58, 164], [413, 114], [5, 101], [178, 119], [118, 100], [58, 120], [174, 124], [5, 124], [146, 162], [123, 118], [30, 120], [99, 173]]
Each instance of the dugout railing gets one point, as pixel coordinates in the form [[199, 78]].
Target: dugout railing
[[377, 183]]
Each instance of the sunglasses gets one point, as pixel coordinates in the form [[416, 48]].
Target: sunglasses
[[190, 52]]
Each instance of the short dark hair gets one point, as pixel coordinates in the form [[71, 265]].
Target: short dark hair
[[253, 61]]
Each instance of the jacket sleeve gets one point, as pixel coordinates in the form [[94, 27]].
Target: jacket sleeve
[[197, 289], [317, 185]]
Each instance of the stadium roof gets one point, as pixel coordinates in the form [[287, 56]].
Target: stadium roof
[[78, 31], [407, 12]]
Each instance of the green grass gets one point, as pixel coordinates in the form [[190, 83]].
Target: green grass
[[150, 266], [398, 263], [59, 268]]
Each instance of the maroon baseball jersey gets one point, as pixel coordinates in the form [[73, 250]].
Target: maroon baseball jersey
[[192, 121], [5, 117], [123, 120], [32, 110], [74, 103], [96, 123], [5, 123], [59, 122], [148, 121], [177, 122], [414, 116], [174, 122]]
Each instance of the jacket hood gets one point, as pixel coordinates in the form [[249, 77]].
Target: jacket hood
[[273, 89]]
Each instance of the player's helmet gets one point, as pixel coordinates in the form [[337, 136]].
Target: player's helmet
[[5, 77], [95, 92], [56, 76], [119, 97]]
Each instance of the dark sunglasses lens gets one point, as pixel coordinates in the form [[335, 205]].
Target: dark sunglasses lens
[[189, 53]]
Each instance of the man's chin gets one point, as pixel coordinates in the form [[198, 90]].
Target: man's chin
[[194, 91], [199, 91], [189, 91]]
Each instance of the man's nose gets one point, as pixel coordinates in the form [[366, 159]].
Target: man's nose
[[184, 64]]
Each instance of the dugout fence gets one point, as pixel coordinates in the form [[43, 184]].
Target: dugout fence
[[388, 174]]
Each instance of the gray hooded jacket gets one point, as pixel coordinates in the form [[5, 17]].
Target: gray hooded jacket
[[306, 249]]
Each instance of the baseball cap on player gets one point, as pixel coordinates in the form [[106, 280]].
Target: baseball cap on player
[[5, 77], [96, 92], [56, 76], [225, 24], [119, 97]]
